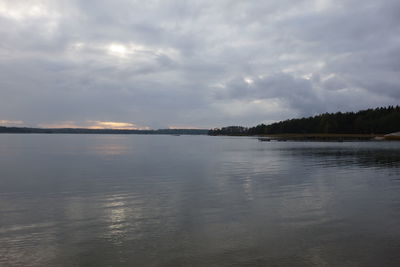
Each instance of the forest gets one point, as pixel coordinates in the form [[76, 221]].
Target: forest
[[382, 120]]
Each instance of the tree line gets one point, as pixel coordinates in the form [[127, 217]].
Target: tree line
[[382, 120]]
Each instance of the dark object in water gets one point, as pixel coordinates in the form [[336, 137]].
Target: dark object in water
[[263, 139]]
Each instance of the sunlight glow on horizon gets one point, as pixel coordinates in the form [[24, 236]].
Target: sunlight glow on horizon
[[95, 125], [10, 122]]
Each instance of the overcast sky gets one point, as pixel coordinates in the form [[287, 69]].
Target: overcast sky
[[205, 63]]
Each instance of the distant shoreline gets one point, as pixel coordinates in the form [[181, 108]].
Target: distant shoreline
[[322, 137], [27, 130]]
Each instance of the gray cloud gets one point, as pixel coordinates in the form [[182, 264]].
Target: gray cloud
[[195, 63]]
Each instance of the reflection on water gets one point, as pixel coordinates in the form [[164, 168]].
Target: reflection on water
[[107, 149], [77, 200], [347, 156]]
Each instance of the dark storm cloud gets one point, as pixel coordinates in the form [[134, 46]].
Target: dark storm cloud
[[195, 63]]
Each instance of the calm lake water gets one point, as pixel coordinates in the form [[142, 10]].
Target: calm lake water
[[137, 200]]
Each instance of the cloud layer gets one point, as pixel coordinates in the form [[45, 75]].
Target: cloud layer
[[199, 63]]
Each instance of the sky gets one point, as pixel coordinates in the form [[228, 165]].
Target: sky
[[194, 64]]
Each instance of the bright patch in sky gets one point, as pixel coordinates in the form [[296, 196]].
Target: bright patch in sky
[[20, 10], [118, 50], [248, 80], [322, 5]]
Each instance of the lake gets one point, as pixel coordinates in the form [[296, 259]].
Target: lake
[[154, 200]]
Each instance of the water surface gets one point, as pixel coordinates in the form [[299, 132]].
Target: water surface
[[137, 200]]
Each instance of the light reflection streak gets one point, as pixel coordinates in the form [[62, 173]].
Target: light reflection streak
[[122, 215], [110, 149], [248, 189]]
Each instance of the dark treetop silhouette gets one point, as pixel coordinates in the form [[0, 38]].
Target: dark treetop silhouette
[[381, 120]]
